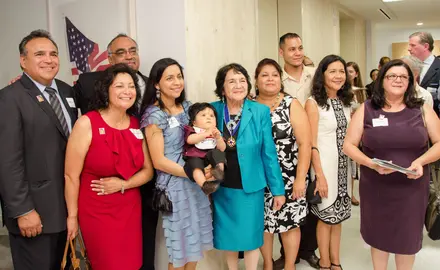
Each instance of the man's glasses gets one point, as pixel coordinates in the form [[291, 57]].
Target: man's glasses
[[123, 52], [393, 77]]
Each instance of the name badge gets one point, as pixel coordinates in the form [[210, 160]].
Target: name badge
[[380, 122], [71, 102], [172, 122], [137, 133]]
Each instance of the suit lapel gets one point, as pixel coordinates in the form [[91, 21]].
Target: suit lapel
[[41, 101], [432, 71], [246, 117]]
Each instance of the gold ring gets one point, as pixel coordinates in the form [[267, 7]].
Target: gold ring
[[102, 190]]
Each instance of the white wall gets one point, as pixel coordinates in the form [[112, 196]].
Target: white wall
[[17, 19], [160, 31], [353, 41], [320, 28], [267, 29], [218, 33]]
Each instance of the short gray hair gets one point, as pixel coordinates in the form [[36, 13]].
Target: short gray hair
[[33, 35], [414, 63], [425, 37], [120, 35]]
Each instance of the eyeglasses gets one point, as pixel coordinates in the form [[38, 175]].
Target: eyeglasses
[[123, 52], [393, 77]]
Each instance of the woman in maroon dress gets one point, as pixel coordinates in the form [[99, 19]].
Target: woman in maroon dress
[[391, 127], [106, 161]]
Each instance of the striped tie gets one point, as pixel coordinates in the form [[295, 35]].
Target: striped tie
[[56, 106]]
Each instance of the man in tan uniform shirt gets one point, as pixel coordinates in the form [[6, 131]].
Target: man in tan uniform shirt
[[297, 80], [297, 77]]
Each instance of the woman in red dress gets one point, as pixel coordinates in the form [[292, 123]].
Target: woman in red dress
[[106, 162]]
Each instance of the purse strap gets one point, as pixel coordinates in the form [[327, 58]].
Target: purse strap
[[74, 259]]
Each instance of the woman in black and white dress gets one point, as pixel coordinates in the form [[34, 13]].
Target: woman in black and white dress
[[291, 133], [329, 111]]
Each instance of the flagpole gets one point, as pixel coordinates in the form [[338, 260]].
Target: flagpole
[[49, 19], [132, 29]]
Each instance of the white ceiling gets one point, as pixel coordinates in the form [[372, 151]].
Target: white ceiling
[[404, 14]]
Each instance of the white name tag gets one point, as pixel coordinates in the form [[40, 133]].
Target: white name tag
[[137, 133], [380, 122], [172, 122], [71, 102]]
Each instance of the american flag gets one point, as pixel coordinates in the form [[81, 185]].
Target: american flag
[[84, 53]]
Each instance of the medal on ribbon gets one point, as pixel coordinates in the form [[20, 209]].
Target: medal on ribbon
[[232, 125]]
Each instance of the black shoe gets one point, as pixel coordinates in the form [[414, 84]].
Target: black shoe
[[218, 173], [313, 261], [210, 186], [336, 265], [279, 264]]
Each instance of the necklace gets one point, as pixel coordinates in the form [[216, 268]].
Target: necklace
[[275, 102]]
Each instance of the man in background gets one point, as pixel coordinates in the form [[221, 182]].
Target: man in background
[[421, 45], [297, 80], [121, 49]]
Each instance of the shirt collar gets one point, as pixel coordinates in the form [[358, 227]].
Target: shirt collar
[[306, 73], [429, 60], [41, 87]]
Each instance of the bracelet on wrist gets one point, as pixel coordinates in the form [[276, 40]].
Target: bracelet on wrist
[[315, 148], [122, 187]]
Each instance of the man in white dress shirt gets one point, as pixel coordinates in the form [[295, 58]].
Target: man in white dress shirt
[[421, 45]]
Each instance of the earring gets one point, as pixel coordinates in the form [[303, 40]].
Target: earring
[[158, 93]]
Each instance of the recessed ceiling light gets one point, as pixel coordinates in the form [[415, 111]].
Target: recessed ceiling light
[[387, 1], [419, 23]]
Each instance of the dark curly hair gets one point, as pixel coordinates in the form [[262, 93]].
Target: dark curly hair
[[221, 76], [319, 92], [265, 62], [101, 100], [410, 97], [198, 107], [156, 74]]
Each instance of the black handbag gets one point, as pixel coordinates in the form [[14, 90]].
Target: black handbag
[[432, 217], [161, 200], [311, 197]]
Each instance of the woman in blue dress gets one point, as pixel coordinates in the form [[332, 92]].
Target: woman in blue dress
[[188, 228], [252, 165]]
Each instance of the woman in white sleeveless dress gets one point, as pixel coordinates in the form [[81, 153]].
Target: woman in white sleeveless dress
[[329, 114]]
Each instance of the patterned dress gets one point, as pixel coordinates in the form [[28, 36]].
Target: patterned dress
[[188, 230], [293, 213], [332, 127]]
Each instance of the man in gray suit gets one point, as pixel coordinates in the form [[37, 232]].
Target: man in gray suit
[[37, 113]]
